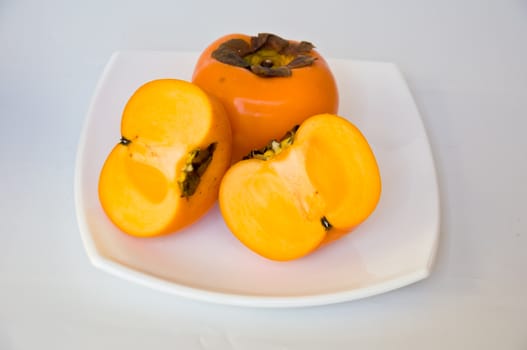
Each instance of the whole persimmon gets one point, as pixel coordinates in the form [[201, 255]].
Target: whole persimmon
[[267, 85], [165, 172], [311, 187]]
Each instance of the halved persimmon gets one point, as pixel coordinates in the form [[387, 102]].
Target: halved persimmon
[[166, 170], [309, 188], [267, 85]]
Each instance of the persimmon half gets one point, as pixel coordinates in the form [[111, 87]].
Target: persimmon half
[[166, 170], [311, 187], [267, 85]]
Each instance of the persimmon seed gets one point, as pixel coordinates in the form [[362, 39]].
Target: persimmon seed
[[124, 141]]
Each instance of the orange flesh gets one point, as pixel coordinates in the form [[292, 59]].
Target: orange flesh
[[163, 121], [275, 207], [264, 214], [341, 165]]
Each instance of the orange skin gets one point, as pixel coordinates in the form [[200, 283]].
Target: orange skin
[[162, 123], [276, 206], [261, 109]]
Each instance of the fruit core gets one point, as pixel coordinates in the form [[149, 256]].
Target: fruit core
[[195, 166], [274, 147]]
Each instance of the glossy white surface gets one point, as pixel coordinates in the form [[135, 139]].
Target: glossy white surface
[[394, 248], [465, 64]]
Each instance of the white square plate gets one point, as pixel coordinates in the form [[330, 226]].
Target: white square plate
[[393, 248]]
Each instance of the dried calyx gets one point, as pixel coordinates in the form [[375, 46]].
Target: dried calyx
[[196, 164], [267, 55], [274, 147], [325, 223], [124, 141]]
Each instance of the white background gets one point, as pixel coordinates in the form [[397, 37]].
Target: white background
[[466, 64]]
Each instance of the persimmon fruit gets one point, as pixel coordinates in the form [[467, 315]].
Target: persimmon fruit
[[311, 187], [165, 172], [267, 85]]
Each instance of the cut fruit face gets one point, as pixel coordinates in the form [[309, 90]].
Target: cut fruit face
[[165, 171], [319, 187]]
